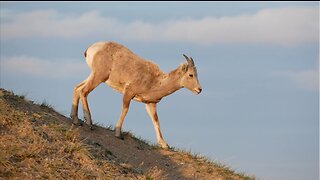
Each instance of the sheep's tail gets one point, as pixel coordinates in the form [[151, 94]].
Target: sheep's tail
[[85, 53]]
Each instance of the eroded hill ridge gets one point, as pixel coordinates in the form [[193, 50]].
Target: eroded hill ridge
[[38, 142]]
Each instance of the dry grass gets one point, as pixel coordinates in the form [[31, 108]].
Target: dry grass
[[46, 151], [33, 148]]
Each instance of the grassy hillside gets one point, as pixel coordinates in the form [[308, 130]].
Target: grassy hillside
[[37, 142]]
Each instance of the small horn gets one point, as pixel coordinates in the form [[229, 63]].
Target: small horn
[[189, 60]]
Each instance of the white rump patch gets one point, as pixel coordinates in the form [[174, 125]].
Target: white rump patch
[[92, 50]]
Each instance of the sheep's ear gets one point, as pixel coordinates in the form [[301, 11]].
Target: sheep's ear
[[184, 67]]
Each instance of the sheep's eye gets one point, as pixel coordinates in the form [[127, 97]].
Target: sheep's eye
[[190, 75]]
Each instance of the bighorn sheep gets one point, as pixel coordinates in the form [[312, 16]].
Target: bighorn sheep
[[135, 78]]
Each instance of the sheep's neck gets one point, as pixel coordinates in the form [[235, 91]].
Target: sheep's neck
[[168, 84]]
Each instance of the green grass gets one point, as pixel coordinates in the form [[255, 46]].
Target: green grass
[[45, 104]]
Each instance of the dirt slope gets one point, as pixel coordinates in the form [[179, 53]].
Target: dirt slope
[[37, 142]]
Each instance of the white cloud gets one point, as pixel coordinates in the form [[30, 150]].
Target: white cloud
[[277, 26], [284, 26], [304, 79], [43, 68]]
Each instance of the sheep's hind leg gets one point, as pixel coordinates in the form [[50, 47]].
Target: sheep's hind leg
[[92, 82], [125, 107], [75, 103]]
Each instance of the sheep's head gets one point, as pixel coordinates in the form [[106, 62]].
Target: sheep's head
[[189, 78]]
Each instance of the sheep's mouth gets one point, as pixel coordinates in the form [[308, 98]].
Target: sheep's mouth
[[197, 90]]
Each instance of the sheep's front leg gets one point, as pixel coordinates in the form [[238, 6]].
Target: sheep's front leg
[[152, 111]]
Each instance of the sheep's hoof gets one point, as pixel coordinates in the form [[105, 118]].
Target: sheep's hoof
[[163, 145], [120, 137], [91, 127], [75, 121], [118, 134], [88, 121]]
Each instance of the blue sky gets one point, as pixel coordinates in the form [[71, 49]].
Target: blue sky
[[258, 64]]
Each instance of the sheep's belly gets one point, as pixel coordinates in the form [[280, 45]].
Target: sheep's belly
[[116, 86], [119, 87], [145, 99]]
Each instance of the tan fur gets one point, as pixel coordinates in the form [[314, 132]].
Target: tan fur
[[135, 78]]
